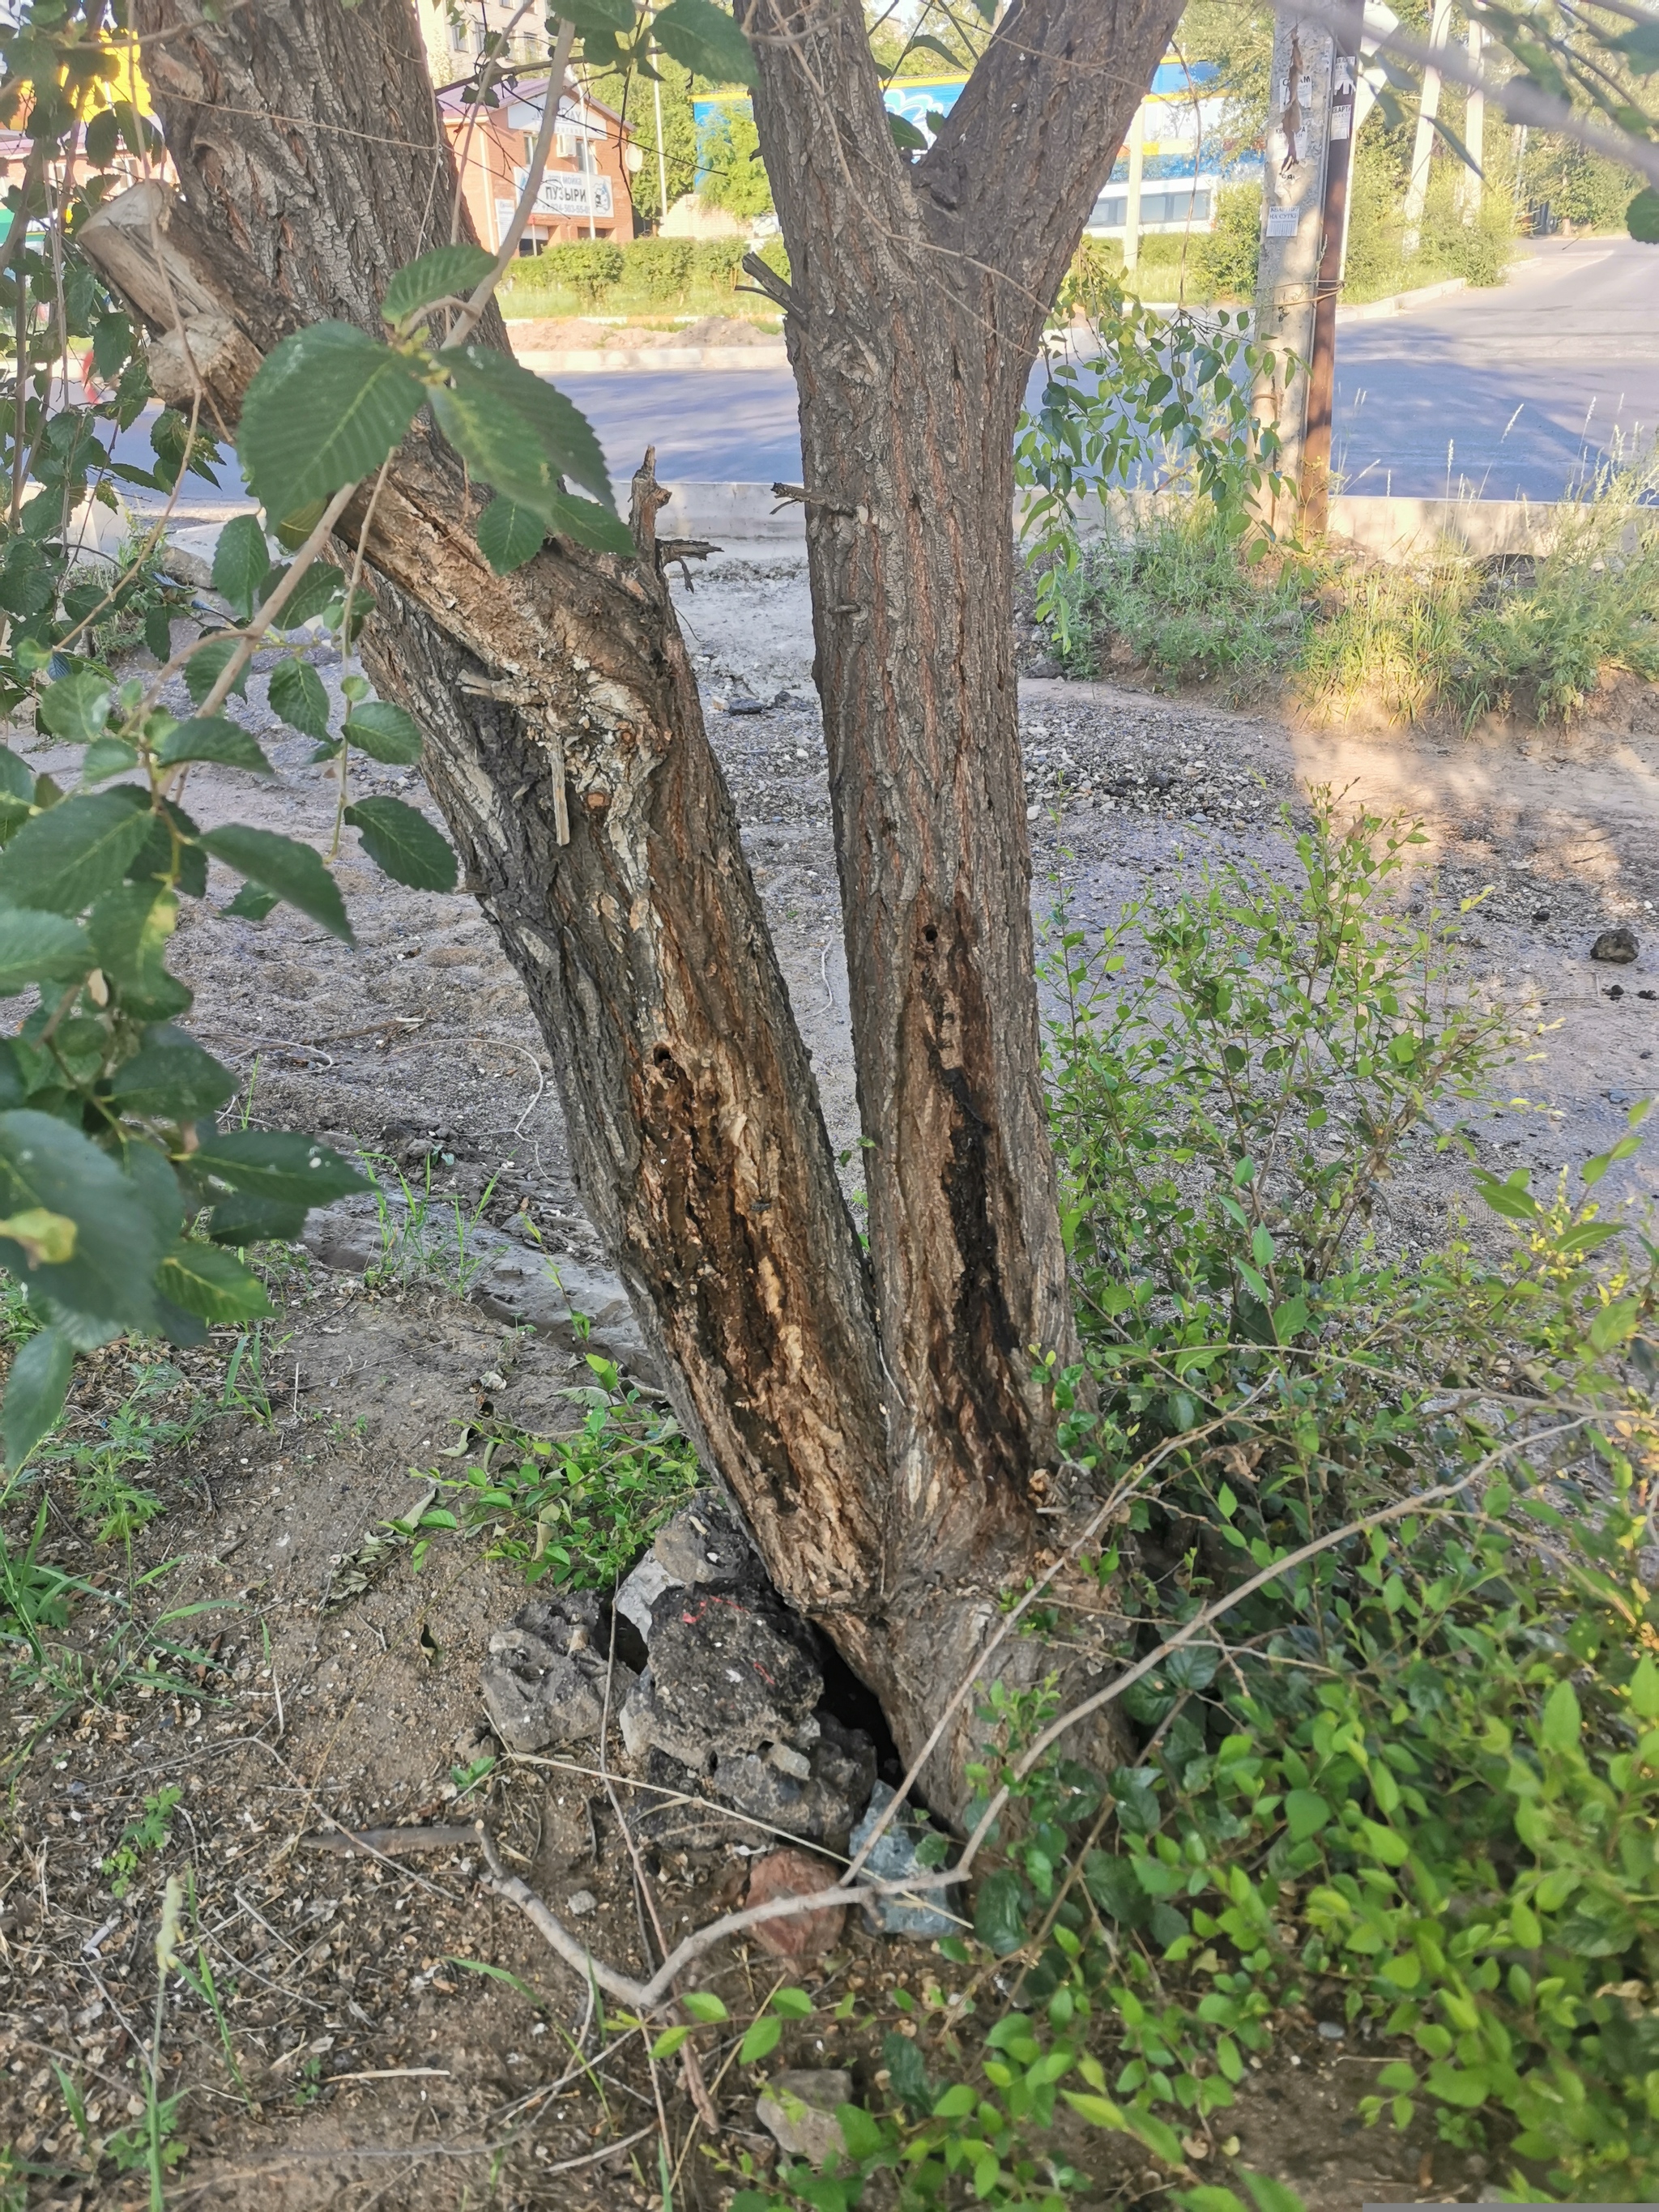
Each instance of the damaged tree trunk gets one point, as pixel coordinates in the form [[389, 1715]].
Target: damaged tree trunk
[[877, 1423]]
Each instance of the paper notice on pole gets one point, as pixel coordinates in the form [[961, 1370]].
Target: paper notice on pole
[[1341, 116], [1284, 222]]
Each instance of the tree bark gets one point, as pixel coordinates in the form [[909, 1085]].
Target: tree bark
[[877, 1422]]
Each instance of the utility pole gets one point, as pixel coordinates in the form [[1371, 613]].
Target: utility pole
[[1132, 206], [1417, 190], [1292, 242], [1322, 368]]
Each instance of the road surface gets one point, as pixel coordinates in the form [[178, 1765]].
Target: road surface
[[1494, 395]]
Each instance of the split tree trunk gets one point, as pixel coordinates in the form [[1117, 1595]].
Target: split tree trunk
[[878, 1422]]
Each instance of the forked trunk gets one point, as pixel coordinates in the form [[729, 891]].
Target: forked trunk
[[878, 1422]]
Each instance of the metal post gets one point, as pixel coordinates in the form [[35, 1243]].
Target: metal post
[[587, 154], [1287, 269], [1322, 368], [662, 156], [1132, 208], [1417, 190]]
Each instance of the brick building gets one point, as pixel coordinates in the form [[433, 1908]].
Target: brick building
[[585, 191]]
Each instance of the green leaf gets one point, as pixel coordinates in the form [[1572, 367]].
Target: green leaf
[[62, 859], [298, 694], [447, 272], [1270, 2195], [509, 536], [172, 1080], [1643, 1689], [792, 2004], [670, 2041], [1562, 1723], [207, 664], [1305, 1813], [1000, 1911], [327, 407], [1641, 216], [760, 2041], [385, 733], [1511, 1198], [130, 928], [905, 135], [707, 41], [105, 758], [16, 778], [76, 706], [704, 2006], [215, 738], [46, 1164], [596, 17], [210, 1283], [250, 904], [244, 1218], [292, 1170], [1640, 48], [35, 1392], [315, 592], [518, 433], [281, 864], [404, 843], [37, 947], [906, 2072], [241, 561], [1613, 1323]]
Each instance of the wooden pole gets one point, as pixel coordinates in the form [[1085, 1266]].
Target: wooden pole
[[1322, 368]]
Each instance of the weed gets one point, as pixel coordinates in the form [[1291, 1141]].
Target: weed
[[133, 1434], [34, 1595], [423, 1236], [151, 1831], [581, 1508], [1171, 595], [244, 1390]]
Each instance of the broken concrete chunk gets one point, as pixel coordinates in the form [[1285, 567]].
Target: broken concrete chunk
[[798, 2109], [820, 1806], [639, 1592], [703, 1544], [730, 1670], [894, 1859], [544, 1681]]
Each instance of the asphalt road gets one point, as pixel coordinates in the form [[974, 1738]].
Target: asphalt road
[[1493, 394], [1507, 393]]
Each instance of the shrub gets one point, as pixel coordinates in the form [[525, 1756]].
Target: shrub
[[660, 268], [1225, 259], [590, 267], [717, 260], [776, 254]]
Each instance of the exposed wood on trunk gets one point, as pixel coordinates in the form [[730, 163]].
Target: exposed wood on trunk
[[877, 1423]]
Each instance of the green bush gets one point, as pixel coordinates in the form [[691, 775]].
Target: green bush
[[590, 267], [1225, 258], [660, 268], [719, 260], [776, 254], [734, 176]]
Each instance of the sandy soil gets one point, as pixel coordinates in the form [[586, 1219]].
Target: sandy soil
[[379, 2071]]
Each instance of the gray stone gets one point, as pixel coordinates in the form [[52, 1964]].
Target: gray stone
[[582, 1902], [894, 1859], [549, 1292], [545, 1681], [1617, 944], [1331, 2030], [798, 2108]]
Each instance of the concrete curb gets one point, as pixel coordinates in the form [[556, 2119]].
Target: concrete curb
[[736, 516], [639, 361], [1401, 303]]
